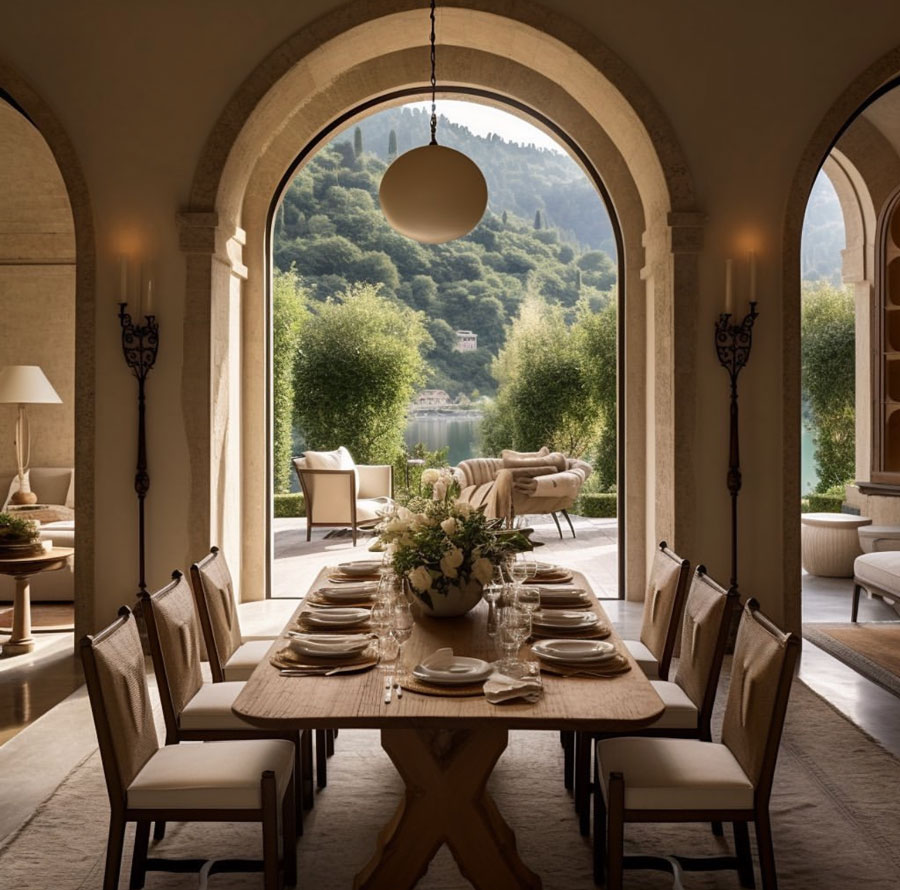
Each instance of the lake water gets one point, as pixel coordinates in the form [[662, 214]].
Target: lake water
[[459, 432]]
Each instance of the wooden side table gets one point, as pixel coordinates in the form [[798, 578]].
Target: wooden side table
[[22, 568]]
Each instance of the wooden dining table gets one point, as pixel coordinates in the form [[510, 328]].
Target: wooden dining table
[[445, 748]]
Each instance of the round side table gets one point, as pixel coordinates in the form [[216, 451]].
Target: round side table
[[829, 542], [22, 568]]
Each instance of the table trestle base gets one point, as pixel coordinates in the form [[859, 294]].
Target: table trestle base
[[446, 802]]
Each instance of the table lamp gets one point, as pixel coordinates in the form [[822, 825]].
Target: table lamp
[[25, 385]]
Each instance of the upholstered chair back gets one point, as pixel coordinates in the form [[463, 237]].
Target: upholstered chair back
[[478, 470], [663, 605], [761, 673], [704, 632], [216, 606], [174, 632], [117, 686]]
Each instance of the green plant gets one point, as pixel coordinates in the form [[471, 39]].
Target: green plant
[[438, 458], [289, 505], [287, 319], [828, 379], [358, 364], [597, 504], [15, 530]]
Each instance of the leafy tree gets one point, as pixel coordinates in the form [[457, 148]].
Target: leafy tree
[[828, 379], [287, 318], [358, 365]]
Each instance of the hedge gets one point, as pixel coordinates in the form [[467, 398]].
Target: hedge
[[823, 503], [597, 505], [289, 505]]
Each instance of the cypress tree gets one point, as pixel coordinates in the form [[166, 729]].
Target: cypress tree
[[392, 145], [537, 219], [357, 142]]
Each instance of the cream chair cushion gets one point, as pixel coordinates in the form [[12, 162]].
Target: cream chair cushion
[[339, 459], [210, 708], [675, 774], [211, 775], [644, 657], [680, 712], [245, 658]]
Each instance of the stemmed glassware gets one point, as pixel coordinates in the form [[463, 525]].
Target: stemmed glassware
[[402, 623], [518, 570], [492, 593], [514, 630], [528, 598]]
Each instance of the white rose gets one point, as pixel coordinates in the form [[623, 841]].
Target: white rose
[[483, 570], [404, 514], [440, 490], [396, 526], [430, 476], [451, 561], [449, 526], [420, 578]]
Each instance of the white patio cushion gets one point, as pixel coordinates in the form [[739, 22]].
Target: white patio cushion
[[644, 657], [882, 570], [211, 775], [245, 658], [674, 774], [210, 708], [680, 712], [367, 509]]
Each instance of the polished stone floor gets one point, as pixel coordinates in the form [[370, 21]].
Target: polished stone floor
[[31, 685]]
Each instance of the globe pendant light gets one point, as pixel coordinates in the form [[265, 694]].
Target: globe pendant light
[[433, 194]]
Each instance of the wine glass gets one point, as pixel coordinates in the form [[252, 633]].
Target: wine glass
[[380, 618], [518, 570], [388, 650], [514, 630], [528, 598], [492, 591], [402, 624]]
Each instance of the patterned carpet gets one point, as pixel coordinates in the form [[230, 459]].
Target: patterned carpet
[[871, 649]]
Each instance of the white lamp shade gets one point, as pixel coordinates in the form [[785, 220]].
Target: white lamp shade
[[26, 385], [433, 194]]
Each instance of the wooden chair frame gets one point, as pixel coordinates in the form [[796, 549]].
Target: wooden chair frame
[[609, 821], [302, 742], [308, 499], [324, 738], [584, 741], [121, 814]]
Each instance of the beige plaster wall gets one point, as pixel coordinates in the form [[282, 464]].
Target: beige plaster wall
[[138, 89], [37, 289]]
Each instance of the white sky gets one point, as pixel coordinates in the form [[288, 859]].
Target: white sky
[[484, 119]]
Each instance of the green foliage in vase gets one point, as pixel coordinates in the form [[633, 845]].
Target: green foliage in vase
[[287, 319], [828, 379], [358, 365], [15, 530]]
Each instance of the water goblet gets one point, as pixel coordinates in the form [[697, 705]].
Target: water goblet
[[380, 618], [402, 624], [519, 571], [529, 598], [514, 630]]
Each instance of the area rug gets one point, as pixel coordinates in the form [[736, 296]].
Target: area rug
[[44, 617], [871, 649], [835, 810]]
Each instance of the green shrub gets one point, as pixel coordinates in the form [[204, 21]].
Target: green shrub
[[287, 317], [825, 503], [597, 505], [432, 459], [289, 505]]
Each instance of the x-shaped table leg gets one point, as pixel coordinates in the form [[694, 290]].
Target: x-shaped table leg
[[446, 772]]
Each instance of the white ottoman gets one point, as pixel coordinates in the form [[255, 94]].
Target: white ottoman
[[829, 542], [879, 573]]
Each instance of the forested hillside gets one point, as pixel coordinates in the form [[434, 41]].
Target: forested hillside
[[331, 230]]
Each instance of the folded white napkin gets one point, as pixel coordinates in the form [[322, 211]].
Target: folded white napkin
[[500, 687], [348, 591], [439, 660]]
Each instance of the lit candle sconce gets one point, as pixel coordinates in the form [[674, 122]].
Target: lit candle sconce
[[139, 344], [733, 343]]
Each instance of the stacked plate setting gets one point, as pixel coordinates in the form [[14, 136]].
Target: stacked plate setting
[[559, 621], [335, 618], [452, 670], [575, 653], [338, 646]]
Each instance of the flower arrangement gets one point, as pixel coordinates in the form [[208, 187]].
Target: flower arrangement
[[18, 532], [447, 544]]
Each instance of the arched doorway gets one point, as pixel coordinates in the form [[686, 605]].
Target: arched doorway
[[360, 56]]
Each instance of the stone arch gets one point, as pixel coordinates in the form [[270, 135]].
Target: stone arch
[[51, 129], [839, 133], [361, 52]]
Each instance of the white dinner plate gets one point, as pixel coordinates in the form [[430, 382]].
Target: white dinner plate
[[460, 672], [329, 645], [565, 620], [363, 569], [335, 617], [347, 594], [569, 651]]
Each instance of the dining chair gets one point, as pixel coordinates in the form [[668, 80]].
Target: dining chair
[[230, 656], [643, 779], [194, 710], [218, 781], [663, 605], [690, 696]]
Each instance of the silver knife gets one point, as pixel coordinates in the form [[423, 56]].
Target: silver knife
[[388, 689]]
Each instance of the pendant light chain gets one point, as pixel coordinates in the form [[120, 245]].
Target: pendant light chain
[[433, 83]]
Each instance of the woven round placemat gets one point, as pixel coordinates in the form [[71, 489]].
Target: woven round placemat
[[287, 658], [575, 604], [469, 690], [559, 576], [616, 665]]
